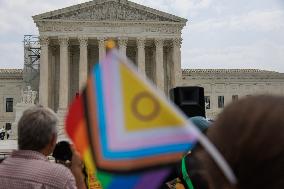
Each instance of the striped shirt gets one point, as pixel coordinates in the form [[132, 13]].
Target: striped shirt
[[31, 170]]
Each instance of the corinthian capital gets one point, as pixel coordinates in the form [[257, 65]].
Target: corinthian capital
[[44, 41], [101, 41], [122, 41], [159, 42], [63, 41], [141, 42], [83, 40], [177, 42]]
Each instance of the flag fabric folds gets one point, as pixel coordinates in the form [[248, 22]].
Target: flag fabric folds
[[125, 130]]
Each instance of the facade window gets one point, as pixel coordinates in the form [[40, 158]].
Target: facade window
[[235, 97], [8, 126], [207, 102], [220, 101], [9, 104]]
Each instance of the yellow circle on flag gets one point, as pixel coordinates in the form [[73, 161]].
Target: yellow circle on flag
[[145, 107]]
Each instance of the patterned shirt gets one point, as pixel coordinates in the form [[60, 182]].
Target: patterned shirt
[[26, 169]]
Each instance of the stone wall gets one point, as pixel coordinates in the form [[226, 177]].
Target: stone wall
[[234, 83], [11, 83], [219, 82]]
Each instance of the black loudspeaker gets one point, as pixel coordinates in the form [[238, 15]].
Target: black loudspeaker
[[189, 99]]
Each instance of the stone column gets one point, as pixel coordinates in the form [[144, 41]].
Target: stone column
[[141, 55], [122, 43], [159, 64], [102, 48], [83, 63], [43, 83], [176, 69], [64, 74]]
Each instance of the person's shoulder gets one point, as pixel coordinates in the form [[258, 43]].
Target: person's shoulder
[[59, 170]]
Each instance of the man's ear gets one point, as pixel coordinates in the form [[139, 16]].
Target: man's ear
[[50, 146], [53, 141]]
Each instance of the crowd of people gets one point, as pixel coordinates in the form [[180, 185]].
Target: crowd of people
[[249, 134]]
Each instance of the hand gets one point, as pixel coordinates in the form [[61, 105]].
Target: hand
[[76, 161], [76, 169]]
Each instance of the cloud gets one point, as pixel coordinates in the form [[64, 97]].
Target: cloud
[[260, 55], [211, 23], [15, 22], [259, 21], [12, 55]]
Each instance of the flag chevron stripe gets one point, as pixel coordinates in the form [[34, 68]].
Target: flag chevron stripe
[[133, 154], [113, 164], [112, 94], [119, 140], [149, 161], [149, 180], [126, 151]]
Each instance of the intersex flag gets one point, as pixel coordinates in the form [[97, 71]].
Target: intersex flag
[[127, 132]]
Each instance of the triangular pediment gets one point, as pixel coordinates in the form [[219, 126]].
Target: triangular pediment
[[109, 10]]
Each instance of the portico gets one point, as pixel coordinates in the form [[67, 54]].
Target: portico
[[73, 39]]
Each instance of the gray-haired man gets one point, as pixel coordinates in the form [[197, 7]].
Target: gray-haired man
[[29, 167]]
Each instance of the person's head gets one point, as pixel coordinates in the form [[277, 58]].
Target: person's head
[[250, 135], [37, 130], [187, 165], [62, 152], [201, 122]]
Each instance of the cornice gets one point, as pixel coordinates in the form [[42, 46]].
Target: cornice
[[11, 74], [231, 74], [226, 71], [111, 23]]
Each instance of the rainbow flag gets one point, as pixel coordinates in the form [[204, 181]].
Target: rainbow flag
[[125, 130]]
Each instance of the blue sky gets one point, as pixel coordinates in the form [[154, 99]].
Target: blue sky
[[219, 33]]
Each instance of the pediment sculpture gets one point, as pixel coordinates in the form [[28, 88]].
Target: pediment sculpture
[[110, 11]]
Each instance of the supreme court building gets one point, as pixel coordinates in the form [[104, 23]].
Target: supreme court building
[[72, 39]]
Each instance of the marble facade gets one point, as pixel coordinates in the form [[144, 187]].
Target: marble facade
[[11, 85], [73, 39], [232, 84], [229, 83]]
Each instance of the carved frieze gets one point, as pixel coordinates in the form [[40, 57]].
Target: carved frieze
[[104, 28], [59, 27], [110, 11]]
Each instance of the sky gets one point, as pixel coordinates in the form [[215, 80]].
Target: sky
[[227, 34]]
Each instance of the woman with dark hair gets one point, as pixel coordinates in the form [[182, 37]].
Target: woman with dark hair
[[250, 136]]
